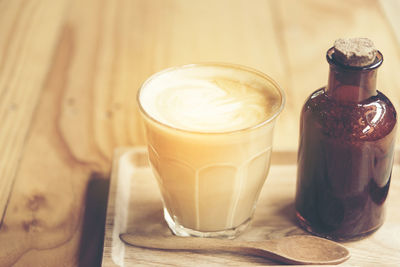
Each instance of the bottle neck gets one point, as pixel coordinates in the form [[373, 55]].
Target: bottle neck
[[351, 84]]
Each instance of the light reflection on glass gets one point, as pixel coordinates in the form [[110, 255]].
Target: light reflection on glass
[[379, 111]]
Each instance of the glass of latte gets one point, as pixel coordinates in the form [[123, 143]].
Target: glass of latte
[[209, 130]]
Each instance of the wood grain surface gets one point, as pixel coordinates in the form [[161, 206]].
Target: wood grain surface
[[70, 70], [135, 207]]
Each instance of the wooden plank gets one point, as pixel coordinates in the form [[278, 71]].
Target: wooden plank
[[134, 39], [26, 44], [45, 207], [391, 10], [134, 206], [59, 195]]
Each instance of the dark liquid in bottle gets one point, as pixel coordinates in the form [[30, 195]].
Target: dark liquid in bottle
[[344, 162], [345, 169]]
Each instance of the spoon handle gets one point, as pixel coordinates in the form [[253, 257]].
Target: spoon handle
[[180, 243], [269, 247]]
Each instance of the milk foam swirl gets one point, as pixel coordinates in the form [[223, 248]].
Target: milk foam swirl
[[210, 105]]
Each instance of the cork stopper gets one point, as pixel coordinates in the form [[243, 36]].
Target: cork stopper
[[355, 52]]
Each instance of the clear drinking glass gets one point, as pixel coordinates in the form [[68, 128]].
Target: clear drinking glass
[[210, 180]]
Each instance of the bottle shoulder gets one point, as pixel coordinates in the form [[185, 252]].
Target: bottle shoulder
[[370, 119], [320, 100]]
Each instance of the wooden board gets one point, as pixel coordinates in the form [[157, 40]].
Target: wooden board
[[134, 206]]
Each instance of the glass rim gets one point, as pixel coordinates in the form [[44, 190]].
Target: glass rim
[[221, 65]]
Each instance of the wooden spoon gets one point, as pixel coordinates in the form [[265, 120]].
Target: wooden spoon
[[300, 249]]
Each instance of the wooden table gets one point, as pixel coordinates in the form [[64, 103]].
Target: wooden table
[[69, 72]]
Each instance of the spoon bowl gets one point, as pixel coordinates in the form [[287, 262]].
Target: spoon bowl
[[298, 249]]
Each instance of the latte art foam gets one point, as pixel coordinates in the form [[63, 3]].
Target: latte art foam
[[211, 173], [215, 104]]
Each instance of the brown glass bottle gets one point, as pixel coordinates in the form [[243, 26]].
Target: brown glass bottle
[[345, 157]]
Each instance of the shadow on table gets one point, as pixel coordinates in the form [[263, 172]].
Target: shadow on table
[[288, 212], [91, 243]]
